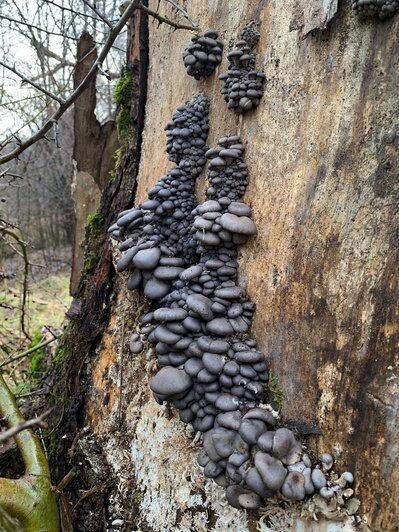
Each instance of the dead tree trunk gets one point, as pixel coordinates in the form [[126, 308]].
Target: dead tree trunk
[[93, 154], [322, 152]]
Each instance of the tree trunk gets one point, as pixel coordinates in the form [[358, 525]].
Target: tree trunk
[[93, 154], [322, 151]]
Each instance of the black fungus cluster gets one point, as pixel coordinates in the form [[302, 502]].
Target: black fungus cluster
[[199, 320], [157, 231], [380, 8], [243, 85], [204, 54]]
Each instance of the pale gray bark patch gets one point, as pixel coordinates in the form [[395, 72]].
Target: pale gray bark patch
[[313, 15]]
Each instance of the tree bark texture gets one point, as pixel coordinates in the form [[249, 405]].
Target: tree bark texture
[[322, 151]]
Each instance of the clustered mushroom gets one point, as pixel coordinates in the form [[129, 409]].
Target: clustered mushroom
[[381, 8], [201, 327], [243, 85], [204, 54], [198, 319], [157, 231]]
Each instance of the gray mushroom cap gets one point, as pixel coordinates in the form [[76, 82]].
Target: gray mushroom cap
[[265, 441], [238, 224], [169, 314], [249, 501], [201, 305], [223, 440], [271, 470], [136, 346], [170, 381], [327, 461], [255, 483], [239, 498], [209, 446], [261, 414], [227, 402], [155, 289], [239, 208], [294, 486], [286, 447], [318, 479], [251, 429], [230, 420], [147, 259]]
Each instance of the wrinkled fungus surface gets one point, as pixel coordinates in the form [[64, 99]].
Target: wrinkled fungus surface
[[203, 55], [380, 8], [243, 86], [184, 256]]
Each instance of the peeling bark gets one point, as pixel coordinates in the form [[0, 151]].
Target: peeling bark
[[313, 15]]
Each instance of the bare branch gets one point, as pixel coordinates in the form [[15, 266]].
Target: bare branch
[[167, 21], [36, 422], [20, 22], [50, 53], [27, 352], [134, 4], [31, 82], [64, 8], [183, 12], [6, 173], [100, 15]]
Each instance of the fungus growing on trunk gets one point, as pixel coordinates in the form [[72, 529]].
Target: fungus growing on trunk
[[203, 55], [376, 8], [243, 85], [198, 319]]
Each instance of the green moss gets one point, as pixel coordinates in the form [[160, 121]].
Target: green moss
[[37, 362], [95, 221], [95, 228], [61, 356], [124, 88], [275, 389], [123, 95]]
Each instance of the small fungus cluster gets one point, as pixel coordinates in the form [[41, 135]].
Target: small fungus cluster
[[184, 255], [243, 85], [203, 55], [381, 8]]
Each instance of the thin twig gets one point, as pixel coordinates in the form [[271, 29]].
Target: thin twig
[[66, 480], [31, 82], [183, 12], [28, 352], [11, 174], [97, 12], [36, 422], [64, 8], [10, 19], [134, 4], [165, 20], [31, 394]]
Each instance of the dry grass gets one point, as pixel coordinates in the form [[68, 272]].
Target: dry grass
[[48, 300]]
